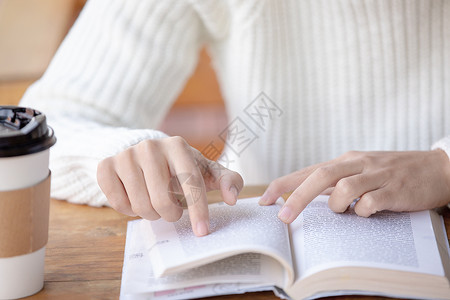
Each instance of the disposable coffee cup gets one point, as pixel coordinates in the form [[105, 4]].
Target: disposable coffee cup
[[25, 141]]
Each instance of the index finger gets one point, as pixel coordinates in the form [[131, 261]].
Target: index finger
[[287, 183], [319, 180], [191, 182]]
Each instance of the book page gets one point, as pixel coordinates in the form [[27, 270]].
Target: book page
[[140, 282], [400, 241], [247, 232], [203, 291]]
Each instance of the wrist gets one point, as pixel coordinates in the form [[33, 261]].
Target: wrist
[[444, 162]]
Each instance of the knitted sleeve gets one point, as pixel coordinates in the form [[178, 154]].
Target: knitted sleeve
[[118, 71]]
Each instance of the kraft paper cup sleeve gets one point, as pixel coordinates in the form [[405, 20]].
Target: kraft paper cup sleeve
[[24, 217]]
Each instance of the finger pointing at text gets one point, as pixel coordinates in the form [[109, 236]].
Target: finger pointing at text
[[396, 181]]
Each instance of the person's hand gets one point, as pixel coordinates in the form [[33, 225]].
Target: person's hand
[[147, 180], [395, 181]]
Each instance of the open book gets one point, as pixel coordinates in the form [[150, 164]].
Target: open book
[[321, 254]]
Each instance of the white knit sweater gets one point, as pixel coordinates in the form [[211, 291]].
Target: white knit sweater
[[304, 81]]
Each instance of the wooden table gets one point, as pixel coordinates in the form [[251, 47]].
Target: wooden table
[[85, 252]]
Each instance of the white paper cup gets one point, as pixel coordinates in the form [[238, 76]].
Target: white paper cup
[[22, 275]]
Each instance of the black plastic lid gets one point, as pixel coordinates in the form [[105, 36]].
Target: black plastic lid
[[23, 131]]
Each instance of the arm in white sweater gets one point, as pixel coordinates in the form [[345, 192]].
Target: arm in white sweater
[[122, 64]]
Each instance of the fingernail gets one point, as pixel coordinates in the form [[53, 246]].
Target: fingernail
[[234, 190], [202, 228], [285, 214], [263, 199]]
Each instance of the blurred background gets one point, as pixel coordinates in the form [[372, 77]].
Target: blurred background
[[30, 33]]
